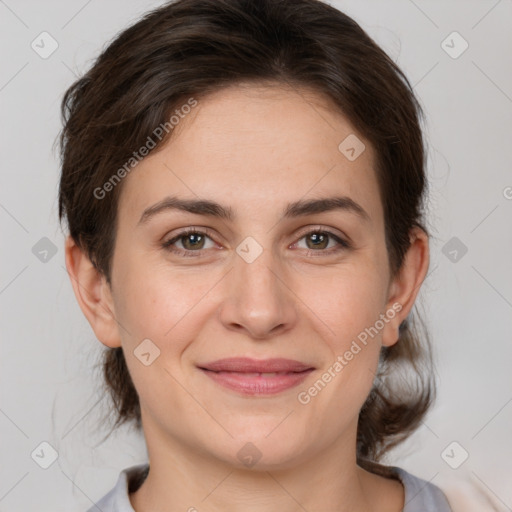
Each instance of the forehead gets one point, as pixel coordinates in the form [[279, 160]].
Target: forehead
[[256, 145]]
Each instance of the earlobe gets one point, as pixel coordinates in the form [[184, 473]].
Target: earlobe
[[93, 294], [406, 284]]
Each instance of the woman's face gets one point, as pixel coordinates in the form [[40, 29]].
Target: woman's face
[[261, 284]]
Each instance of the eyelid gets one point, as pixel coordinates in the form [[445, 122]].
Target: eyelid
[[191, 229], [188, 230], [324, 229]]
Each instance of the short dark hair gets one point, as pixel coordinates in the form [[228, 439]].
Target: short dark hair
[[191, 48]]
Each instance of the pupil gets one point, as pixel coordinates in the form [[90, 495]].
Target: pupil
[[319, 237], [192, 236]]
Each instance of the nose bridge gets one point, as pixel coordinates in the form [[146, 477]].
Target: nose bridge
[[258, 285], [259, 275], [258, 299]]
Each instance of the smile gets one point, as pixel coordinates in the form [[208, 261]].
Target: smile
[[257, 383]]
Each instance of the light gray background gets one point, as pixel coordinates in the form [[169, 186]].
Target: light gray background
[[49, 384]]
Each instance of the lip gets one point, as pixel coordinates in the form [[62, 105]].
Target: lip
[[244, 375], [248, 365]]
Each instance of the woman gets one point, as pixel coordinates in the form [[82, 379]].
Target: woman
[[243, 183]]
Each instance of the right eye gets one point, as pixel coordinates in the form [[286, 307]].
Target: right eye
[[192, 241]]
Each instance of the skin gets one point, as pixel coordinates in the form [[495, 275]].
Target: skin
[[255, 149]]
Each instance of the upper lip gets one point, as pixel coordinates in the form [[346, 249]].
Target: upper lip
[[248, 365]]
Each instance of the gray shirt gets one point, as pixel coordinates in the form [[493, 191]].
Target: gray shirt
[[420, 495]]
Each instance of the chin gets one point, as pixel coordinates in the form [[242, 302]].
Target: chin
[[259, 451]]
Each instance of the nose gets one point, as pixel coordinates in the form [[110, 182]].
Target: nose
[[258, 301]]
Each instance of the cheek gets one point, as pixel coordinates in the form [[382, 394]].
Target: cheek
[[349, 307], [347, 300], [154, 305], [348, 310], [164, 304], [160, 307]]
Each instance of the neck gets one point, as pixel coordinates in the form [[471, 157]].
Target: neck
[[183, 478]]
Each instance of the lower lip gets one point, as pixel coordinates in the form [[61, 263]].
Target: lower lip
[[257, 384]]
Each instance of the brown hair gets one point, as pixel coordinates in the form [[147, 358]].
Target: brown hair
[[193, 47]]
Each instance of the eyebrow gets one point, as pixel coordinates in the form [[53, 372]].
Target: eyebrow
[[213, 209]]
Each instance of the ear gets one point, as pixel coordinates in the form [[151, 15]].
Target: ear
[[93, 294], [405, 286]]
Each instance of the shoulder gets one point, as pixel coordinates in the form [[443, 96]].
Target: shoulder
[[420, 495], [117, 499]]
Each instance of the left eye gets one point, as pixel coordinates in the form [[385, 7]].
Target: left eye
[[193, 241], [320, 240]]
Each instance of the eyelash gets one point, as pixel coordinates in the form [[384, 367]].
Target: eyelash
[[343, 244]]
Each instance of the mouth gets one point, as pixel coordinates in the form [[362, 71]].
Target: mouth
[[257, 377]]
